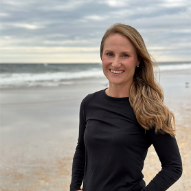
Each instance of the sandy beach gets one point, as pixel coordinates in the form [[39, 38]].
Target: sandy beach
[[39, 131]]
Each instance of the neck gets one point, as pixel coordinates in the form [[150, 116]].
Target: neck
[[118, 91]]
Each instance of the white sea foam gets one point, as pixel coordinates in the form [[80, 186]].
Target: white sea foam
[[45, 79], [60, 78], [175, 67]]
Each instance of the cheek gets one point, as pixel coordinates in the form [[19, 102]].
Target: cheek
[[105, 60], [131, 63], [130, 66], [105, 64]]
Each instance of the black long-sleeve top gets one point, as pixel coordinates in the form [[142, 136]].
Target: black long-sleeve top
[[112, 147]]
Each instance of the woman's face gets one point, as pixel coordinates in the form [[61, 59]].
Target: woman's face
[[119, 59]]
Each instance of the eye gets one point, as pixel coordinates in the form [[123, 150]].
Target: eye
[[125, 55], [109, 54]]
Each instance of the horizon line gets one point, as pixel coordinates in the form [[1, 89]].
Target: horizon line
[[77, 62]]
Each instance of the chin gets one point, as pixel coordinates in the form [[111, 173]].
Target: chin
[[115, 82]]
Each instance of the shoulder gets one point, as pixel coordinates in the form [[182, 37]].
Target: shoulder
[[92, 97]]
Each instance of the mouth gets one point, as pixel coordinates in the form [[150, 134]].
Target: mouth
[[116, 71]]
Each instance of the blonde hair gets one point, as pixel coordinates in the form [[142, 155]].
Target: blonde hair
[[146, 95]]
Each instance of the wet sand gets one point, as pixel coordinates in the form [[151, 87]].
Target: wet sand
[[39, 130]]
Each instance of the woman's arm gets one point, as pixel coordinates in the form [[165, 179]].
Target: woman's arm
[[168, 153], [79, 156]]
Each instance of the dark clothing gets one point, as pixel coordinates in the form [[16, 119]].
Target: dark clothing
[[112, 147]]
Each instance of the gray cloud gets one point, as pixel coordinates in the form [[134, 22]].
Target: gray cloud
[[82, 23]]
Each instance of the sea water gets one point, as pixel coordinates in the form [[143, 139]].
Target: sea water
[[18, 75]]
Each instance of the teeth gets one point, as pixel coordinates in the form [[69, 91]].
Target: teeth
[[113, 71]]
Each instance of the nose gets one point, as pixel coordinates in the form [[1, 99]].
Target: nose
[[116, 62]]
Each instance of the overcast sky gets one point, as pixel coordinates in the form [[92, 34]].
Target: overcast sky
[[64, 31]]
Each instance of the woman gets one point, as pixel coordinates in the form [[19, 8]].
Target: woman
[[119, 123]]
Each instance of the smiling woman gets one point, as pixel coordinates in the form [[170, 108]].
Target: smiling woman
[[119, 123], [119, 60]]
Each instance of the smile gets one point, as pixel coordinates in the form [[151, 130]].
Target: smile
[[117, 72]]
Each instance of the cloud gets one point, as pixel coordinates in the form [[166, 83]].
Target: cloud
[[67, 6], [27, 26], [174, 3], [95, 17], [4, 15], [82, 23], [114, 3]]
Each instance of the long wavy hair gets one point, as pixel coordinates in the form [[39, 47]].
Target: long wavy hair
[[146, 95]]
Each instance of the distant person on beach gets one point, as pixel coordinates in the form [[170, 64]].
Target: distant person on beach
[[119, 123]]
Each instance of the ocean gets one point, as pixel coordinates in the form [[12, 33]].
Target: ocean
[[29, 75]]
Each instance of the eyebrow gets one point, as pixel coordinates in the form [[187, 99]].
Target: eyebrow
[[121, 52]]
